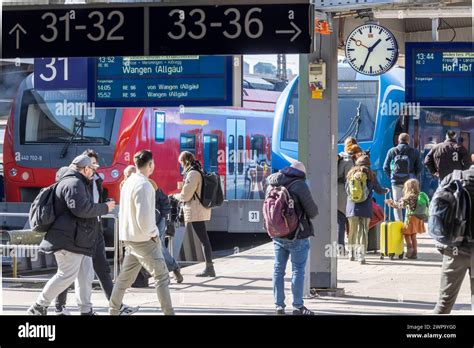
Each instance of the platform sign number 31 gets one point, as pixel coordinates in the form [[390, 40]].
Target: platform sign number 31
[[254, 216]]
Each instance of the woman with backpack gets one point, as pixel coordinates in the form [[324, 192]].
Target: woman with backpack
[[416, 203], [194, 212], [360, 185]]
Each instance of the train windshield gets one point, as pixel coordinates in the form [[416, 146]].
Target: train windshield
[[63, 117], [357, 109]]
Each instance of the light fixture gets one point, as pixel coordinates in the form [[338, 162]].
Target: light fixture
[[115, 173], [25, 176], [13, 172], [441, 12]]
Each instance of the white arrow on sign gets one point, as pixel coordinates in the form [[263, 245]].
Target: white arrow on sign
[[17, 28], [297, 32]]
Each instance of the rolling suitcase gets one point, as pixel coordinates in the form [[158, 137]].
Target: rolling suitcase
[[391, 237]]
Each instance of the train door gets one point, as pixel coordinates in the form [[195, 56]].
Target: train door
[[211, 147], [235, 168]]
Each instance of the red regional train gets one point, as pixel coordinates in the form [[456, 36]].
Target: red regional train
[[41, 136]]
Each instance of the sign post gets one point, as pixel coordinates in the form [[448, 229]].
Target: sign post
[[155, 29]]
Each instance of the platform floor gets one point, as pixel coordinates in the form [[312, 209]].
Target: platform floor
[[243, 286]]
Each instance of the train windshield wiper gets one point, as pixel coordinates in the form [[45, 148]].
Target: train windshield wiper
[[79, 126], [354, 126]]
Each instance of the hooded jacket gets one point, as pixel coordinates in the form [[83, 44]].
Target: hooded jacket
[[75, 228], [305, 206]]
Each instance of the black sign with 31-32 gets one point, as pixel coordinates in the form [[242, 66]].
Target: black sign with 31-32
[[85, 31]]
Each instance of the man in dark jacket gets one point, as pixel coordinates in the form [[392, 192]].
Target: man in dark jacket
[[99, 258], [297, 244], [72, 236], [401, 164], [456, 260], [447, 156], [163, 210]]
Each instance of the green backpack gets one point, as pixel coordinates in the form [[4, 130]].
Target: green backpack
[[357, 190], [422, 207]]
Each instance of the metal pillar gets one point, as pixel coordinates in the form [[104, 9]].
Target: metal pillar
[[434, 29], [318, 150]]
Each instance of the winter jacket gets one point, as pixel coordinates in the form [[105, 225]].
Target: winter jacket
[[162, 205], [344, 164], [137, 210], [446, 157], [305, 206], [190, 193], [364, 209], [415, 162], [75, 228]]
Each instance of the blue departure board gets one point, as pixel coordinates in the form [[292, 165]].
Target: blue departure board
[[440, 73], [161, 81]]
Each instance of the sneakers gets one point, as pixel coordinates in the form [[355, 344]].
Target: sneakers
[[350, 256], [90, 313], [280, 310], [62, 310], [37, 309], [128, 310], [302, 311], [177, 275], [362, 262]]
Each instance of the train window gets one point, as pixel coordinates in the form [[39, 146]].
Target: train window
[[257, 147], [62, 117], [210, 153], [240, 152], [159, 126], [231, 154], [188, 143], [357, 109], [290, 130]]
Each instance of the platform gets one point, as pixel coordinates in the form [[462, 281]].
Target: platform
[[244, 287]]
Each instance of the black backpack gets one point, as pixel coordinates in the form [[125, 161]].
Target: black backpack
[[450, 213], [400, 166], [42, 214], [211, 190]]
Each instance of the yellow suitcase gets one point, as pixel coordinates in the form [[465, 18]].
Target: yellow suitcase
[[391, 238]]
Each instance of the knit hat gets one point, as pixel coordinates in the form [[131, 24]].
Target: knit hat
[[363, 160], [352, 149], [298, 165]]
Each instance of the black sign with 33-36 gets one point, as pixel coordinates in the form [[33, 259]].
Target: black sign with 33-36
[[238, 29], [85, 31]]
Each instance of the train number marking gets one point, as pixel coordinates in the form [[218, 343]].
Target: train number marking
[[254, 216]]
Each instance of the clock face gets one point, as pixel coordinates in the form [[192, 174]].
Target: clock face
[[371, 49]]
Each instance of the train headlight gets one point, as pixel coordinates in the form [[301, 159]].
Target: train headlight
[[13, 172], [25, 176], [115, 173]]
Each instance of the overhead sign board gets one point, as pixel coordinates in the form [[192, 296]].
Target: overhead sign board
[[161, 81], [440, 73], [156, 29]]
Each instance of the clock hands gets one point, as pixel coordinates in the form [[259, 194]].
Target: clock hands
[[370, 50]]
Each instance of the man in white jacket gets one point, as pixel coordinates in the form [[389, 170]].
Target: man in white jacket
[[138, 231]]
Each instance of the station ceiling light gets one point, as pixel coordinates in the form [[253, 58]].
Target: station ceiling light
[[441, 12]]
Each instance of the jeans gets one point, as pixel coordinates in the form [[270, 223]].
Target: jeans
[[397, 191], [71, 267], [101, 269], [171, 263], [298, 251], [149, 255], [453, 271], [341, 224]]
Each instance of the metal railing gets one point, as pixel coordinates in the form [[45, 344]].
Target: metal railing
[[118, 251]]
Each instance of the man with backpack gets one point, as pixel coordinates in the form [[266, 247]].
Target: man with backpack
[[401, 164], [71, 236], [288, 210], [454, 235], [447, 156]]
